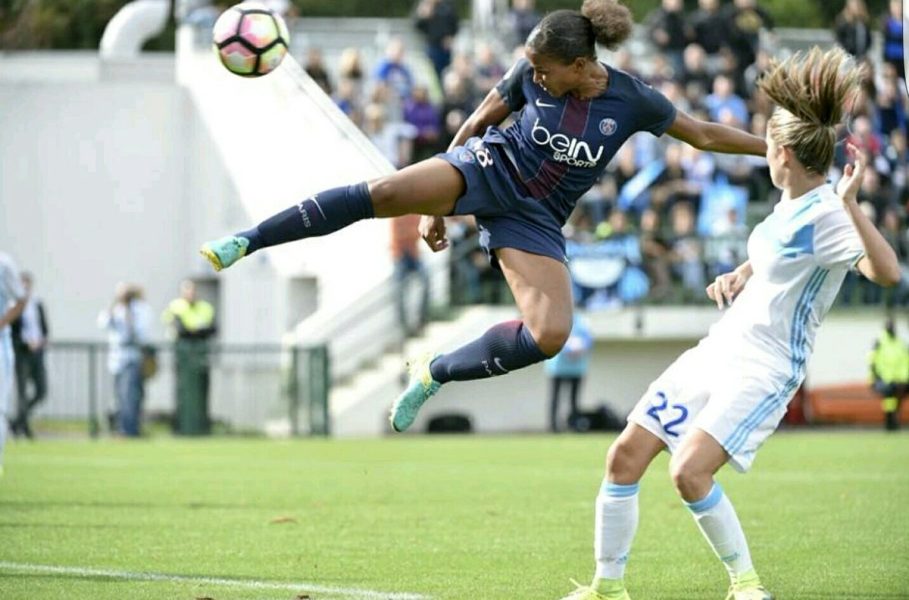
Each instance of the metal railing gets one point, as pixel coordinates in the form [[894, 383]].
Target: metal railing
[[253, 388]]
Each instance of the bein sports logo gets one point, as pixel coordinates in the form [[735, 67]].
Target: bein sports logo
[[566, 149]]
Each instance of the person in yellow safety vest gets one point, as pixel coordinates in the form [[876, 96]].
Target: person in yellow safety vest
[[193, 322], [191, 317], [889, 362]]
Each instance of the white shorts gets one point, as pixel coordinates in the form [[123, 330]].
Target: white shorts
[[735, 401]]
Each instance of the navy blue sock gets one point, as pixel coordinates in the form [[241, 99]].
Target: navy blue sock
[[321, 214], [503, 348]]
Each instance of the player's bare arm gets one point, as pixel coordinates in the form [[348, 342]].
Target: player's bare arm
[[880, 263], [714, 137], [491, 111]]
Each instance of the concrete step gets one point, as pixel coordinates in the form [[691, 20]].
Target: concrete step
[[360, 407]]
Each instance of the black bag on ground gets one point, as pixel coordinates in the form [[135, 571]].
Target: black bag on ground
[[451, 423], [601, 418]]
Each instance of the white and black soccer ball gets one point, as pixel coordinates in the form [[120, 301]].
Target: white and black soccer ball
[[251, 40]]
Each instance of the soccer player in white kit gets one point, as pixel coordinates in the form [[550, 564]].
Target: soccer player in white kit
[[12, 302], [722, 399]]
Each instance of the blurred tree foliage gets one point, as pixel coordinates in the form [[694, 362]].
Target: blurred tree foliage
[[54, 23], [78, 24], [63, 24]]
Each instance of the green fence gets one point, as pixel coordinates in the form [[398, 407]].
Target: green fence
[[221, 388]]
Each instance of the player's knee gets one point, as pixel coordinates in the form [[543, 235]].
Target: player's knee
[[382, 192], [550, 337], [688, 480], [621, 466]]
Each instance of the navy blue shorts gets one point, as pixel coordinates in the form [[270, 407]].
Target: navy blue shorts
[[507, 215]]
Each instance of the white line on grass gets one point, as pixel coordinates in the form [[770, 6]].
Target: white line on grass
[[300, 587]]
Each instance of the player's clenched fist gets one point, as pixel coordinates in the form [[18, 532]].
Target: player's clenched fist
[[432, 230]]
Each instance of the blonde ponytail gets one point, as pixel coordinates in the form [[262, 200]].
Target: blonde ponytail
[[812, 92]]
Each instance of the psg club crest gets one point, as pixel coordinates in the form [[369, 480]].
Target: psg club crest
[[608, 126], [466, 156]]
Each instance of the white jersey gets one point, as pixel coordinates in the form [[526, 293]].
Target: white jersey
[[799, 255], [737, 383], [11, 289]]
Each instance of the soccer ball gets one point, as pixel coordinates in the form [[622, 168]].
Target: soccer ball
[[250, 39]]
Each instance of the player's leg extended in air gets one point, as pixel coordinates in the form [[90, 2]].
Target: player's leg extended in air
[[540, 284], [542, 290], [430, 187]]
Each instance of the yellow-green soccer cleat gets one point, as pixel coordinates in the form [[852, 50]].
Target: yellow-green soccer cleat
[[224, 252], [753, 593], [748, 587], [420, 388], [589, 592]]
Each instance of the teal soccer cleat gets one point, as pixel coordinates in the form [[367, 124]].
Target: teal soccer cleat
[[224, 252], [420, 388]]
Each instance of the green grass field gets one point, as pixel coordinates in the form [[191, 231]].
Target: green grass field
[[455, 518]]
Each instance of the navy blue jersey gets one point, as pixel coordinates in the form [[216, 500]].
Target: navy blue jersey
[[561, 146]]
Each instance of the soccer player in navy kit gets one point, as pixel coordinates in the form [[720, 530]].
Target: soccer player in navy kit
[[520, 183]]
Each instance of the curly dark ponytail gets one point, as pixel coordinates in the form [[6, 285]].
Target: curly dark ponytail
[[571, 34], [611, 21]]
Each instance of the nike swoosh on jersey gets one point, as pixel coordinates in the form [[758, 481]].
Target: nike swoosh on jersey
[[542, 104]]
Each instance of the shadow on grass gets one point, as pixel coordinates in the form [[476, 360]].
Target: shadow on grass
[[699, 593], [58, 526], [195, 581], [42, 504]]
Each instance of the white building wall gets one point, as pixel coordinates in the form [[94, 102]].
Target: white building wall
[[109, 172], [93, 191]]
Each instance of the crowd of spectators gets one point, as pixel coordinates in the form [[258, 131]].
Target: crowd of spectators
[[665, 218]]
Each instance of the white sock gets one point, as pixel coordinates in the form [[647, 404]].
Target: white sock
[[616, 524], [718, 522]]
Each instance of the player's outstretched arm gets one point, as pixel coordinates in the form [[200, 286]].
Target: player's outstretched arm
[[714, 137], [879, 264]]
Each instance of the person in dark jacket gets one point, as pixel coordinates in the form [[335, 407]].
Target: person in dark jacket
[[853, 28], [744, 22], [521, 20], [707, 26], [894, 29], [437, 20], [669, 32], [30, 332]]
